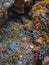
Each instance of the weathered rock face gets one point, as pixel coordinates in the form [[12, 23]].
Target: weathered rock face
[[7, 3], [28, 2], [2, 15], [4, 5], [40, 15], [19, 5]]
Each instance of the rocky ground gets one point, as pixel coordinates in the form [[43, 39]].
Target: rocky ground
[[25, 40]]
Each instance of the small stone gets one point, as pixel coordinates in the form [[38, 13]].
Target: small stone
[[24, 39], [39, 40], [31, 46]]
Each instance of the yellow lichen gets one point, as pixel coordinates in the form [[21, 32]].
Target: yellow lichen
[[27, 24], [39, 8]]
